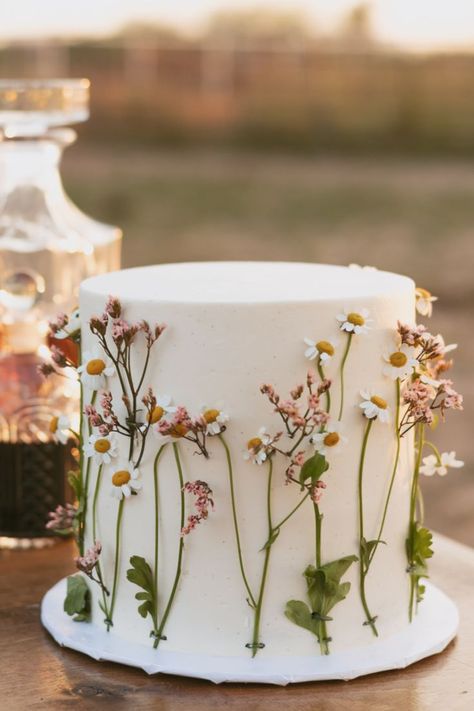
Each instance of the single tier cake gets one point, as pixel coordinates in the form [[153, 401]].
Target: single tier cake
[[252, 443]]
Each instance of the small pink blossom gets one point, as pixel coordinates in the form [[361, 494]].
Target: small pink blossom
[[297, 392], [89, 560], [411, 335], [113, 307], [316, 491], [62, 518], [203, 502], [60, 322]]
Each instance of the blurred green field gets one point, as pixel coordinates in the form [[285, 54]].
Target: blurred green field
[[408, 216]]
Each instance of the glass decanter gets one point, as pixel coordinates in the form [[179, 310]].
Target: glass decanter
[[47, 247]]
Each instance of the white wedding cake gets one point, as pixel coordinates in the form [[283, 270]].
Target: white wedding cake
[[252, 440]]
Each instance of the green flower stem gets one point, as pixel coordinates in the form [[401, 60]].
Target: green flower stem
[[395, 465], [341, 374], [118, 527], [255, 646], [94, 536], [412, 520], [328, 394], [155, 486], [169, 604], [322, 631], [435, 449], [370, 620], [85, 490], [251, 597], [94, 504], [80, 536], [293, 510]]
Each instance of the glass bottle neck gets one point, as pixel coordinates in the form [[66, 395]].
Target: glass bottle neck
[[33, 161]]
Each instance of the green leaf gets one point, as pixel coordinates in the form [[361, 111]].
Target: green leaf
[[324, 587], [422, 543], [337, 568], [299, 613], [78, 598], [366, 550], [141, 574], [313, 468]]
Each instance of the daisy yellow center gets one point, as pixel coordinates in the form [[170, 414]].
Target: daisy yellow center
[[155, 415], [379, 402], [53, 425], [121, 477], [423, 293], [96, 366], [254, 443], [210, 416], [398, 359], [325, 347], [178, 430], [355, 319], [331, 439], [102, 446]]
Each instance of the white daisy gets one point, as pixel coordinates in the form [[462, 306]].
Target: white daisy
[[442, 348], [60, 428], [401, 363], [357, 322], [257, 447], [215, 419], [102, 448], [331, 440], [125, 481], [322, 350], [424, 301], [162, 408], [432, 465], [72, 327], [374, 406], [95, 368]]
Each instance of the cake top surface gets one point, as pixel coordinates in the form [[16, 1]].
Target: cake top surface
[[246, 282]]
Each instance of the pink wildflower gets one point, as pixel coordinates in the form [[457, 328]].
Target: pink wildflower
[[62, 518], [316, 491], [113, 307], [203, 502], [89, 560]]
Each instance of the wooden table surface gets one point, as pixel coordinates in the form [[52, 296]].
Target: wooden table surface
[[38, 674]]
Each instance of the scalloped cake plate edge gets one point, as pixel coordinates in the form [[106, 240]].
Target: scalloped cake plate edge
[[433, 629]]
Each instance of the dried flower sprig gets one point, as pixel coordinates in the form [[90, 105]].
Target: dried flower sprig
[[202, 503], [89, 563], [61, 520]]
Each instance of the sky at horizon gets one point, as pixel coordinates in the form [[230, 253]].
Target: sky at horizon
[[411, 24]]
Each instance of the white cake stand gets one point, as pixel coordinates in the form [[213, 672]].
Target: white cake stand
[[432, 630]]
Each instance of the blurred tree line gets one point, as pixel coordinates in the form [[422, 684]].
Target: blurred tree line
[[264, 80]]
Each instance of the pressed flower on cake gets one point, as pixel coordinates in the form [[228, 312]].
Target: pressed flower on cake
[[424, 301], [357, 322], [163, 407], [102, 448], [323, 350], [60, 428], [215, 419], [440, 465], [400, 363], [331, 440], [95, 368], [259, 447], [126, 481], [374, 406]]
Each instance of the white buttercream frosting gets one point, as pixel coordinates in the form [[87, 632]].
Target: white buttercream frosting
[[230, 328]]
